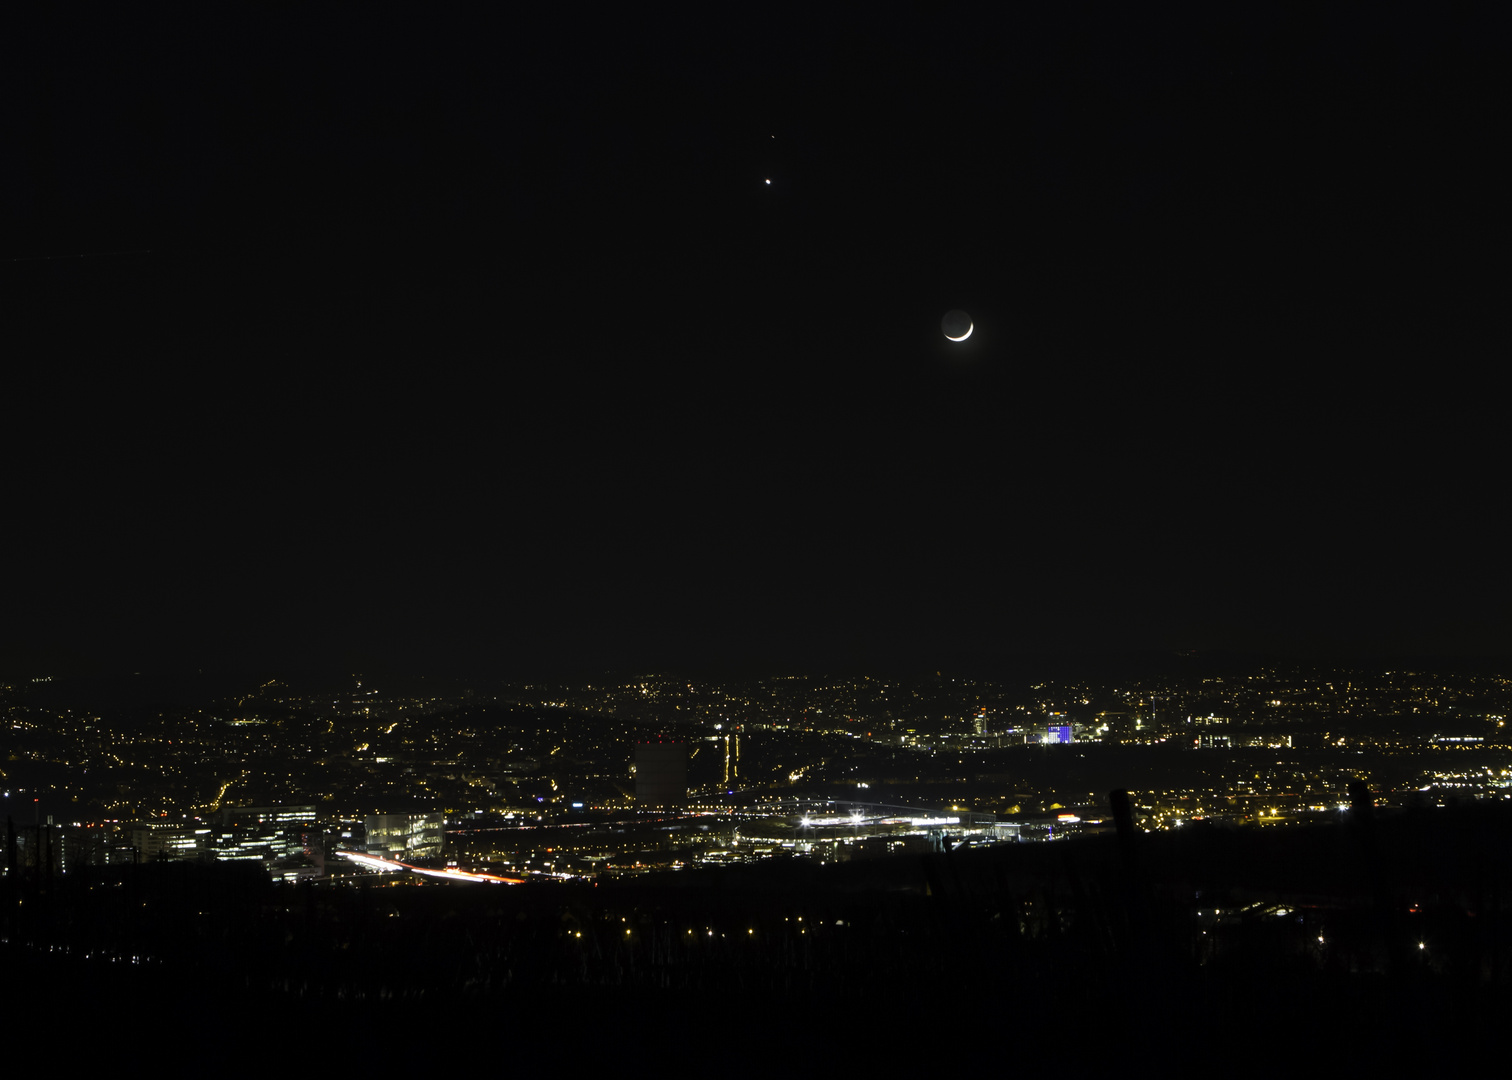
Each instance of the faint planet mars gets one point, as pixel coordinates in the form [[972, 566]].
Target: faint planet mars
[[957, 325]]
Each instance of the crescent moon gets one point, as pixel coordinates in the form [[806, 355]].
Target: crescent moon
[[964, 336]]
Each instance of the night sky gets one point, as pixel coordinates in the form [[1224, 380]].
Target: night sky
[[479, 339]]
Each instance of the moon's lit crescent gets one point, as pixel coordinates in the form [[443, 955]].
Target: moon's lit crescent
[[957, 325]]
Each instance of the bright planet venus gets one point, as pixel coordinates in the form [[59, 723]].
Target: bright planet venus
[[957, 325]]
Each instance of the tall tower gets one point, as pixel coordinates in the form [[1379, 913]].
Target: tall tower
[[732, 760]]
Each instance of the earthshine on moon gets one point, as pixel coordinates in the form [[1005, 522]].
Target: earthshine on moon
[[957, 325]]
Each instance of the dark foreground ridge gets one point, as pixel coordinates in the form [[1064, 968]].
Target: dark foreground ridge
[[1384, 938]]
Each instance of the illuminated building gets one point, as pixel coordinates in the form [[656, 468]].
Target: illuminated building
[[661, 773], [405, 836], [165, 840], [281, 816]]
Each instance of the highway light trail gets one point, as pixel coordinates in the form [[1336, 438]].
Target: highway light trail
[[450, 873]]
